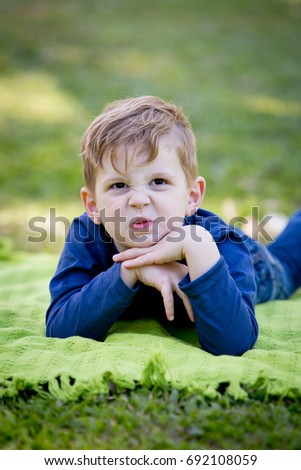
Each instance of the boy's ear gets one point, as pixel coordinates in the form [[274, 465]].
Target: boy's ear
[[90, 205], [197, 192]]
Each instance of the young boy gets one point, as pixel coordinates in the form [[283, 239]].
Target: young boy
[[144, 248]]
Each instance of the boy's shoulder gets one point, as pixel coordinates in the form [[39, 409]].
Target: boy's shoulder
[[85, 233], [204, 217], [83, 229], [214, 224], [89, 241]]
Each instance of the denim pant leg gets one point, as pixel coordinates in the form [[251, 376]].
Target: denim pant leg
[[272, 279]]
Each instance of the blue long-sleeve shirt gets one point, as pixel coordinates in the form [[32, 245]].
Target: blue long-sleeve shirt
[[88, 294]]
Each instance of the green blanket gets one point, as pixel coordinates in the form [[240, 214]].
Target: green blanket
[[139, 353]]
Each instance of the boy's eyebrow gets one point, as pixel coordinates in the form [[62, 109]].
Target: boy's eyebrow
[[158, 174], [113, 179], [162, 174]]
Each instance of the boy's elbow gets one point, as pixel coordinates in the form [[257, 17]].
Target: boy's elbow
[[55, 328], [51, 331], [231, 350], [230, 347]]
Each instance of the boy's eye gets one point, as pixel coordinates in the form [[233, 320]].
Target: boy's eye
[[119, 185], [158, 181]]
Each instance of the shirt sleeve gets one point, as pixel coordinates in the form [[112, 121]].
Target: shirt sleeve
[[223, 301], [87, 293]]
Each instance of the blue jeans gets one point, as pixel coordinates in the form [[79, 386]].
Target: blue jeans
[[273, 279]]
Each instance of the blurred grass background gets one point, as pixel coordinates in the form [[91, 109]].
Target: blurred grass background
[[234, 66]]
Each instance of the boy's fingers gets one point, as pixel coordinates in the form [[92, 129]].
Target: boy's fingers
[[187, 304], [131, 253], [142, 260], [168, 301]]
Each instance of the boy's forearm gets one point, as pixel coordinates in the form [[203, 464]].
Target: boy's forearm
[[91, 310], [128, 276], [224, 315], [200, 251]]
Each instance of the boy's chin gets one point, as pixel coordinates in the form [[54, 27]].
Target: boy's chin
[[142, 244], [127, 245], [139, 240], [142, 241]]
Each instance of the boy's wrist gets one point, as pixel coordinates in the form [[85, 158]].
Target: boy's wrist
[[128, 276], [200, 251]]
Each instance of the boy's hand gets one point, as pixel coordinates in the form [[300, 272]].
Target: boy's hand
[[165, 279], [193, 243], [166, 250]]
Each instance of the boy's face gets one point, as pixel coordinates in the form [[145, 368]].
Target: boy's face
[[143, 203]]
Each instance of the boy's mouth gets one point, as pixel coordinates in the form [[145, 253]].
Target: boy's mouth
[[141, 224]]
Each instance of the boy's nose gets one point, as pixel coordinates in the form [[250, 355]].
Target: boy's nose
[[139, 197]]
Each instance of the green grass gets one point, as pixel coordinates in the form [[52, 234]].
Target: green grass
[[144, 419], [234, 66]]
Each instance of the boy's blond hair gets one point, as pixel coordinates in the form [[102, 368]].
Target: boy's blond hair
[[140, 123]]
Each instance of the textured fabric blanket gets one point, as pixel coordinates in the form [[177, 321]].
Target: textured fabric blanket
[[139, 353]]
